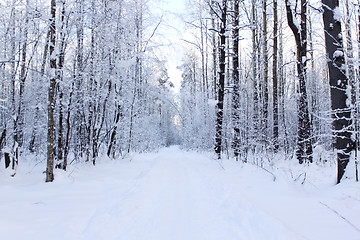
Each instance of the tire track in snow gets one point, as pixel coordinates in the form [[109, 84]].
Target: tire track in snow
[[182, 196]]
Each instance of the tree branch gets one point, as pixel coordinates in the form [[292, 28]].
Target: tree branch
[[292, 25]]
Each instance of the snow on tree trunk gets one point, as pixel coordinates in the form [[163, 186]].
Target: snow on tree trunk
[[51, 99], [221, 85], [304, 145], [236, 90], [341, 111]]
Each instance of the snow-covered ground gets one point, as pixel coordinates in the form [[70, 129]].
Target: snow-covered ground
[[177, 195]]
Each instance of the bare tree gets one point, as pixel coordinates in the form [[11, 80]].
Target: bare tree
[[275, 79], [51, 103], [236, 89], [221, 85], [304, 146], [341, 113], [265, 111]]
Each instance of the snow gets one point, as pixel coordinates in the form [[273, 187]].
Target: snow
[[337, 14], [212, 102], [338, 53], [174, 194]]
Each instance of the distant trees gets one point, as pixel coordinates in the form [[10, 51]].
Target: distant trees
[[90, 82], [267, 100], [87, 74]]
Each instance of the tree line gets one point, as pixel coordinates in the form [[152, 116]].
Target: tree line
[[274, 77], [79, 79], [260, 79]]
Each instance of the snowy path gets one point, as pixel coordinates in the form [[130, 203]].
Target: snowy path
[[170, 195]]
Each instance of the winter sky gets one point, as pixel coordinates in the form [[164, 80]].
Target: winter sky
[[172, 32]]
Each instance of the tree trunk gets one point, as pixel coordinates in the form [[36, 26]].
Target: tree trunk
[[338, 84], [68, 126], [51, 99], [214, 54], [60, 154], [221, 85], [236, 90], [282, 85], [304, 146], [23, 73], [15, 147], [2, 139], [255, 70], [266, 72], [110, 151], [275, 81], [79, 79], [314, 103]]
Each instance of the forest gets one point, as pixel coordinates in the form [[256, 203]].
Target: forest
[[261, 80]]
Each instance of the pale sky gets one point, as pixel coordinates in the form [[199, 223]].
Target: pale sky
[[172, 32]]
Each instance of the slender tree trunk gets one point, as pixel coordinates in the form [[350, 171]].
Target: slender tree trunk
[[357, 103], [314, 104], [60, 154], [93, 85], [15, 147], [23, 73], [221, 85], [110, 151], [349, 51], [255, 70], [51, 106], [42, 73], [266, 71], [2, 139], [202, 51], [236, 90], [214, 45], [304, 146], [275, 80], [68, 128], [98, 130], [282, 86], [338, 85], [352, 81], [79, 78]]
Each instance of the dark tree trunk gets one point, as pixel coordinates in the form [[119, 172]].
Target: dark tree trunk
[[2, 138], [6, 154], [304, 147], [7, 159], [275, 81], [221, 85], [265, 110], [110, 151], [255, 71], [236, 90], [338, 84]]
